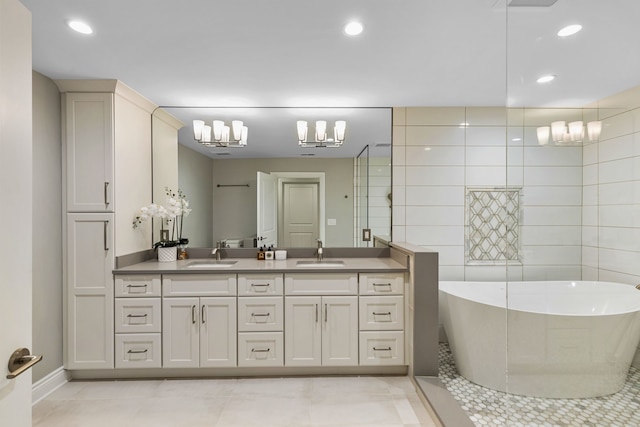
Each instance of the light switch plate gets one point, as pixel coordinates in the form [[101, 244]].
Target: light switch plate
[[331, 221], [366, 234]]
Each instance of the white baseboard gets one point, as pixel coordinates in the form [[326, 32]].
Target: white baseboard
[[49, 384]]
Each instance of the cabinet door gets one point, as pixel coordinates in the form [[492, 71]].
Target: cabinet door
[[218, 332], [88, 281], [88, 127], [302, 336], [339, 331], [180, 324]]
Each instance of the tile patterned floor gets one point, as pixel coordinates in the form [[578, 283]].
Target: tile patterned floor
[[492, 408], [267, 402]]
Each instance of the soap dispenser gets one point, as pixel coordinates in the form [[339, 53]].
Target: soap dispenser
[[261, 253]]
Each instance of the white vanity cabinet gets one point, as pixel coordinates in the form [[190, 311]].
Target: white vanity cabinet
[[381, 318], [199, 331], [106, 166], [260, 320], [89, 133], [89, 291], [321, 326], [138, 321]]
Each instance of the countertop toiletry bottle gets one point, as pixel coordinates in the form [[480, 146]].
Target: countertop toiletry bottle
[[261, 253], [269, 253]]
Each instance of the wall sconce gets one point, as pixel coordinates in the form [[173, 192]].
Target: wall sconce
[[220, 135], [563, 133], [320, 135]]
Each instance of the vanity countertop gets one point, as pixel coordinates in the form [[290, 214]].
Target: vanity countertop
[[250, 265]]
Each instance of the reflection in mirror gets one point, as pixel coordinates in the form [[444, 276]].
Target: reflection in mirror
[[221, 182]]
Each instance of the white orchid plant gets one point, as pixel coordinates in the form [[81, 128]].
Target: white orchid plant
[[171, 218]]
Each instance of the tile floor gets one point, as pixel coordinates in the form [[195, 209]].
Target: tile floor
[[486, 407], [281, 402]]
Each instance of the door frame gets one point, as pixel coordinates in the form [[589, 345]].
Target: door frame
[[320, 177]]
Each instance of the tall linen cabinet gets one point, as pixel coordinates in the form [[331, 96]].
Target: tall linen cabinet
[[107, 173]]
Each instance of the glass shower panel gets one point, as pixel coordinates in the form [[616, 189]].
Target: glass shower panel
[[361, 197]]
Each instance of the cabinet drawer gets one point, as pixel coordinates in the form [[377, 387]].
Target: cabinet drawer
[[260, 349], [382, 348], [199, 284], [256, 314], [137, 315], [381, 313], [137, 286], [138, 351], [321, 284], [260, 284], [381, 283]]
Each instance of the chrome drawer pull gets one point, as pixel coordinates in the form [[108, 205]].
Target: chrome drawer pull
[[253, 350], [137, 351], [381, 349], [388, 313], [137, 315], [382, 284], [106, 194], [137, 286], [261, 284], [260, 314], [262, 287]]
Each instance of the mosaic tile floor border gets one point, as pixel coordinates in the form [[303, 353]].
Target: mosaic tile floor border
[[492, 408]]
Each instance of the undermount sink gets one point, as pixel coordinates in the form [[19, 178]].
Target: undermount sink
[[210, 264], [321, 264]]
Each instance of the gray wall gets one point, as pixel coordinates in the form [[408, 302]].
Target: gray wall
[[47, 226], [195, 180], [234, 208]]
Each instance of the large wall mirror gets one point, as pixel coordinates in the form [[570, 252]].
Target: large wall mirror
[[306, 193]]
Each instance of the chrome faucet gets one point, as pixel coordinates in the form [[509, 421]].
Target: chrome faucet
[[319, 250], [216, 251]]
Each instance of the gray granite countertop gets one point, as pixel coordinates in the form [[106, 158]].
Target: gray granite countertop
[[250, 265]]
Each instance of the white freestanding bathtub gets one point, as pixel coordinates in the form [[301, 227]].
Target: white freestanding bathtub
[[556, 339]]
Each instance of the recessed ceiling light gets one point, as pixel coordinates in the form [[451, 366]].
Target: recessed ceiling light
[[546, 79], [569, 30], [80, 27], [353, 28]]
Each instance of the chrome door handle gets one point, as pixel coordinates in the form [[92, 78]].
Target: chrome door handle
[[106, 194], [20, 361], [193, 314], [202, 314], [106, 246], [316, 313]]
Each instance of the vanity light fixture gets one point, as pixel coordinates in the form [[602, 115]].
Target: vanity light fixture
[[566, 133], [220, 135], [320, 135]]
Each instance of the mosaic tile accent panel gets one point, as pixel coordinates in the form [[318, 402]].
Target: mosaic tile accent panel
[[487, 407], [493, 225]]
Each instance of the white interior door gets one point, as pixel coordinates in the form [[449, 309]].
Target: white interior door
[[267, 212], [300, 214], [16, 187]]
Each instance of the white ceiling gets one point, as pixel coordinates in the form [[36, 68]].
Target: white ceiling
[[292, 53]]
